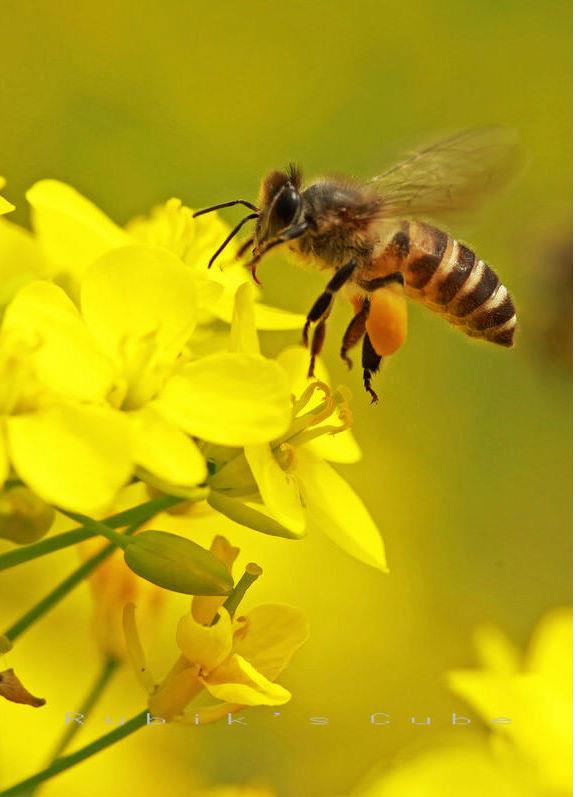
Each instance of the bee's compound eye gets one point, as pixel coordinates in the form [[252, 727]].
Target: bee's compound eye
[[287, 206]]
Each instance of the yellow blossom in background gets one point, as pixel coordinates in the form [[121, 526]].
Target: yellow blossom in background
[[72, 233], [535, 690], [287, 480], [234, 659], [468, 770], [234, 791], [111, 387], [113, 585], [530, 756]]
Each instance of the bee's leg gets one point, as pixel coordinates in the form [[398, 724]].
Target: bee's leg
[[316, 345], [354, 332], [370, 361], [322, 305], [381, 282]]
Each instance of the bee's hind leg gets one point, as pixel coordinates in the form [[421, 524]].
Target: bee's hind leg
[[370, 361], [354, 332], [321, 310]]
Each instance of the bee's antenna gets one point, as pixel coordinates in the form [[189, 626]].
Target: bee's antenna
[[225, 205], [233, 233]]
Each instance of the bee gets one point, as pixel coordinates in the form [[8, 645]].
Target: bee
[[378, 246]]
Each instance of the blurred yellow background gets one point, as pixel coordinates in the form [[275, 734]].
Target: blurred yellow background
[[465, 462]]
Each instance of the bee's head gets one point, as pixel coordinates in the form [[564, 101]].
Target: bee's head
[[280, 203]]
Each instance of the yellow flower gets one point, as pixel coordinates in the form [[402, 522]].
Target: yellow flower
[[68, 452], [72, 233], [236, 660], [234, 791], [21, 260], [285, 487], [118, 388], [467, 769], [5, 206], [535, 691], [529, 756]]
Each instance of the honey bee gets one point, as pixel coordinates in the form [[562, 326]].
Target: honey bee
[[375, 240]]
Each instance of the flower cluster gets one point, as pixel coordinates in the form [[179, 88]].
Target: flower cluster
[[114, 366]]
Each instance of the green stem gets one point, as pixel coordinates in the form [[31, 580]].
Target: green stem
[[109, 667], [26, 553], [68, 761], [58, 593], [97, 527]]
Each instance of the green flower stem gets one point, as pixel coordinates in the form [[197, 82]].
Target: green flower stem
[[97, 527], [146, 510], [66, 586], [109, 667], [252, 572], [66, 762]]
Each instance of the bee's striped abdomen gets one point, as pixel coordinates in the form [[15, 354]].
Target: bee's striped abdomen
[[448, 277]]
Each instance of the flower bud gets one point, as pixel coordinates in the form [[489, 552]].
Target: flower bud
[[24, 518], [177, 564]]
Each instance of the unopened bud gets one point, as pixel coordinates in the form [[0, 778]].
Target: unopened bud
[[177, 564], [24, 518]]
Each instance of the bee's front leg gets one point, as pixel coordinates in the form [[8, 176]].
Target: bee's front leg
[[321, 310]]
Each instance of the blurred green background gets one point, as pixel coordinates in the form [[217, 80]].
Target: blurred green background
[[466, 459]]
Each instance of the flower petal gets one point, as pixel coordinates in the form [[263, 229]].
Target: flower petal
[[205, 607], [243, 334], [65, 356], [334, 507], [269, 636], [266, 317], [236, 681], [278, 488], [77, 457], [205, 645], [135, 649], [164, 450], [5, 206], [71, 230], [136, 293], [229, 399], [21, 260]]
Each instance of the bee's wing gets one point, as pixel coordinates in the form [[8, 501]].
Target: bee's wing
[[453, 174]]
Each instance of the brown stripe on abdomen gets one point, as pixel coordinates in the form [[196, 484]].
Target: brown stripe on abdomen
[[450, 281], [427, 249], [448, 277]]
